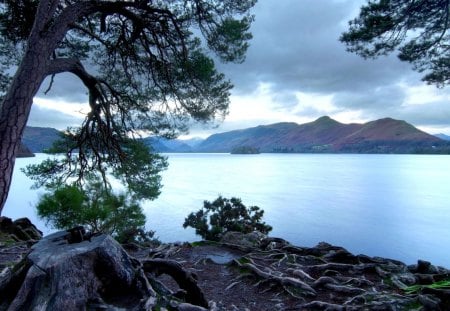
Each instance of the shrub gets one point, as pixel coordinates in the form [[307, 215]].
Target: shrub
[[222, 215], [97, 208]]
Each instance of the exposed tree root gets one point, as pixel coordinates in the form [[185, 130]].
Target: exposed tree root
[[183, 278], [281, 280]]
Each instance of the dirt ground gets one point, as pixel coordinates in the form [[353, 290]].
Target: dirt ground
[[224, 283]]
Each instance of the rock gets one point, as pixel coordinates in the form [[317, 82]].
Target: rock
[[407, 278], [422, 266], [24, 225], [270, 243], [251, 240], [367, 259], [425, 267], [442, 294], [21, 229], [424, 279], [429, 302], [5, 224], [341, 256]]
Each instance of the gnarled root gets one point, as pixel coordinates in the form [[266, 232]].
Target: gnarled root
[[284, 281], [183, 278]]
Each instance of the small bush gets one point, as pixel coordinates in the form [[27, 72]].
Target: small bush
[[97, 208], [223, 215]]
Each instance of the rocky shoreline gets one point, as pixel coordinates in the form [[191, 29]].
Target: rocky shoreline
[[256, 272]]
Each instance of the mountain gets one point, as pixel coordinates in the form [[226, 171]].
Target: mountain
[[327, 135], [322, 135], [442, 136], [160, 144], [192, 142], [39, 138]]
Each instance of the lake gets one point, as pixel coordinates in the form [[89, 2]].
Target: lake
[[395, 206]]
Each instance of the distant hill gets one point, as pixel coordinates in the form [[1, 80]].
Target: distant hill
[[160, 144], [322, 135], [193, 142], [327, 135], [442, 136], [37, 139]]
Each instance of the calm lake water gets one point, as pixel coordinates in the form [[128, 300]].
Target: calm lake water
[[395, 206]]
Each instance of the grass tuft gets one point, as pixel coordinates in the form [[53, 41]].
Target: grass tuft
[[444, 284]]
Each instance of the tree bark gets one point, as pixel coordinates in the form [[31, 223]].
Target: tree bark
[[46, 33], [14, 113], [16, 106]]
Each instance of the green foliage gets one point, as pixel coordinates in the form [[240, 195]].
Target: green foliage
[[223, 215], [138, 168], [96, 207], [17, 18], [418, 29], [444, 284]]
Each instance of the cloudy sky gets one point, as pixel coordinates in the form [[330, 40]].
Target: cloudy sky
[[296, 70]]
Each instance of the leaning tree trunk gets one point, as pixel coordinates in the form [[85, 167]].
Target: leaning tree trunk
[[16, 106], [14, 113], [64, 273]]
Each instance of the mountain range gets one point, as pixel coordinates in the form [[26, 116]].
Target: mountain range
[[323, 135], [327, 135]]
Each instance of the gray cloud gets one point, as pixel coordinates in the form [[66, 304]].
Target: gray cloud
[[296, 49], [377, 98], [65, 86], [310, 112], [45, 117], [284, 100], [431, 114]]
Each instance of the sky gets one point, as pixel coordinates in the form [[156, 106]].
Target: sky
[[296, 70]]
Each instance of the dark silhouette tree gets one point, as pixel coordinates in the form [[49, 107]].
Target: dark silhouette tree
[[144, 63], [418, 29]]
